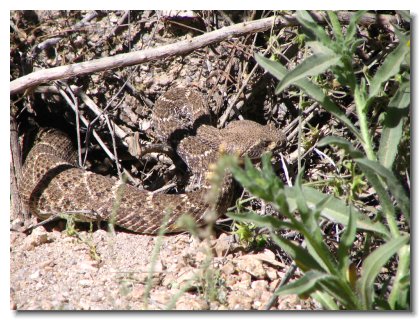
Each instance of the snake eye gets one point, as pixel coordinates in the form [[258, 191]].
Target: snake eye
[[272, 145], [258, 148]]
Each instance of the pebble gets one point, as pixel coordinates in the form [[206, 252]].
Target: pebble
[[84, 283], [251, 265], [38, 237]]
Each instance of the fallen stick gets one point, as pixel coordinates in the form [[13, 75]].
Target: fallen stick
[[132, 58]]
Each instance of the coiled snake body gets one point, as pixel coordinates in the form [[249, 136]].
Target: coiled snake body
[[51, 183]]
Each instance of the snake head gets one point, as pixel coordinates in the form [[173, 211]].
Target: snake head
[[261, 146], [248, 138]]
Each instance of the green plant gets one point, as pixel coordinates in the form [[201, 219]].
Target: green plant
[[72, 231], [248, 235], [329, 276]]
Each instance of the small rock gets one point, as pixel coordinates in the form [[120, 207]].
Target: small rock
[[169, 281], [97, 296], [274, 284], [265, 297], [215, 305], [16, 224], [35, 275], [85, 283], [289, 302], [158, 266], [188, 276], [222, 245], [13, 305], [267, 255], [243, 283], [256, 304], [88, 265], [231, 280], [239, 301], [251, 265], [36, 238], [38, 286], [188, 302], [259, 285], [228, 268], [84, 304], [258, 288], [138, 292], [47, 263], [46, 305], [271, 273], [163, 79], [15, 237], [160, 297]]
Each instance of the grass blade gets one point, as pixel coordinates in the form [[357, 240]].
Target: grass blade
[[325, 300], [389, 68], [391, 181], [342, 143], [373, 265], [313, 27], [273, 67], [311, 66], [279, 71], [346, 242], [351, 29], [335, 210], [300, 255], [399, 296], [392, 131], [260, 221], [405, 14], [336, 26], [305, 285]]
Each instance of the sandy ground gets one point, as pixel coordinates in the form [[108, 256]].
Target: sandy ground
[[101, 271]]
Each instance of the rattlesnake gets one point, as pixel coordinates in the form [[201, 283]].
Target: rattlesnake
[[51, 183]]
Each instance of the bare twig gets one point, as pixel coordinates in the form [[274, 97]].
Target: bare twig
[[17, 209], [164, 188], [132, 58], [226, 17], [79, 140], [97, 137], [291, 135], [98, 111], [150, 149], [54, 40], [114, 30], [92, 105], [89, 103], [233, 105], [45, 45], [75, 106], [114, 145], [305, 112], [286, 172], [89, 16], [128, 59]]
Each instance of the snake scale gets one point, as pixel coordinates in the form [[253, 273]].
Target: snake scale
[[51, 183]]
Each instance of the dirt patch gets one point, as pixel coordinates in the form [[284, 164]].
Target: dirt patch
[[101, 271]]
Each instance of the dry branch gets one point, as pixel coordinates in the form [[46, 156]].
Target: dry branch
[[182, 47], [17, 208]]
